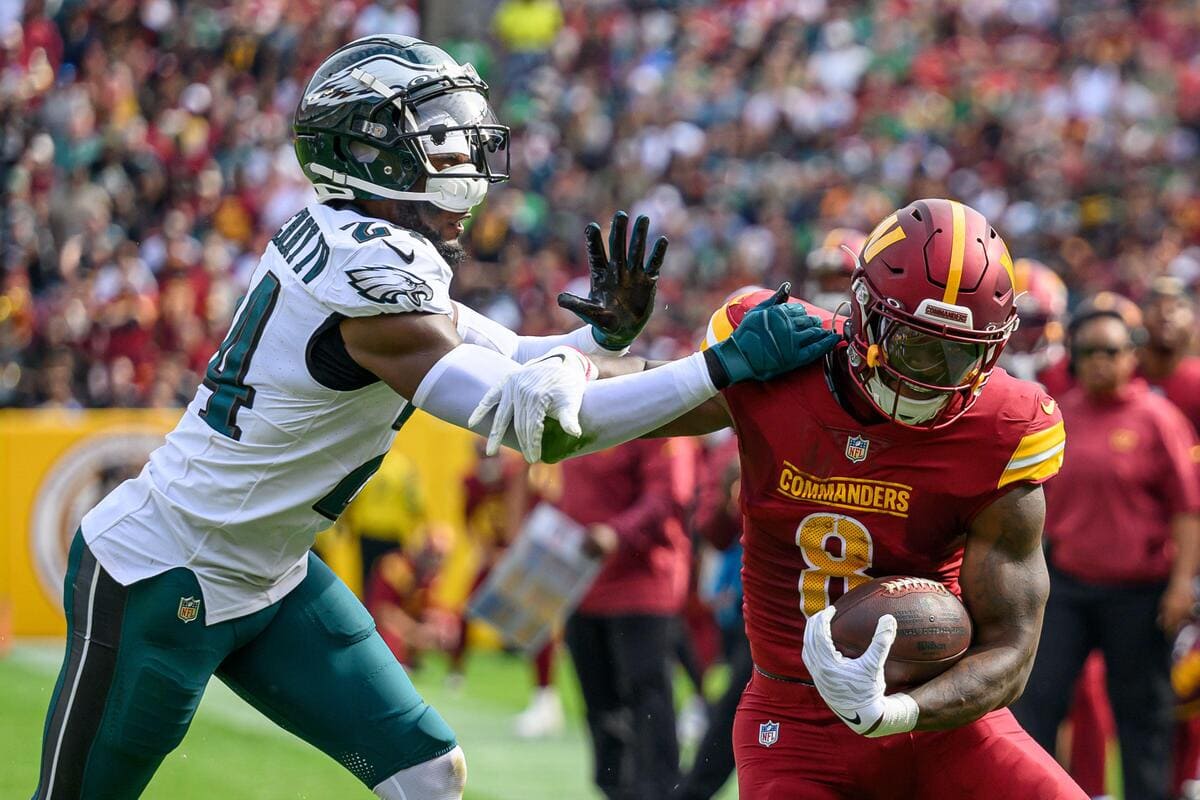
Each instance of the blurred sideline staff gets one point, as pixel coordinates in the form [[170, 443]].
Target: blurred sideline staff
[[622, 636], [719, 521], [1124, 544]]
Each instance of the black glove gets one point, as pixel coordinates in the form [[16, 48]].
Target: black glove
[[622, 295]]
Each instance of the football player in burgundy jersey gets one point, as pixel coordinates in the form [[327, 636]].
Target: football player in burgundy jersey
[[907, 453], [1037, 350]]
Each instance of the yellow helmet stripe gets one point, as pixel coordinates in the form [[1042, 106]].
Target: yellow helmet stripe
[[887, 223], [882, 243], [1007, 262], [958, 248]]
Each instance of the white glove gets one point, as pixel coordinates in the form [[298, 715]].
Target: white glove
[[550, 386], [853, 687]]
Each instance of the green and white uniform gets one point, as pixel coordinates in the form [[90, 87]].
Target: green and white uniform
[[201, 564], [266, 455]]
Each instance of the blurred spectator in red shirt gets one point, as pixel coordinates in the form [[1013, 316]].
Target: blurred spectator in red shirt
[[719, 521], [1165, 360], [399, 595], [622, 637], [1124, 545]]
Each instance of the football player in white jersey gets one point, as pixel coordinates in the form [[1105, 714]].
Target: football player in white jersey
[[201, 564]]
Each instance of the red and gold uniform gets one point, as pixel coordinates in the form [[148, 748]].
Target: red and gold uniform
[[399, 581], [830, 503]]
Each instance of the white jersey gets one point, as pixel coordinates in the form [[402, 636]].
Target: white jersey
[[273, 447]]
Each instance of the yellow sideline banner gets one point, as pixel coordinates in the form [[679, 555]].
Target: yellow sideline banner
[[55, 465]]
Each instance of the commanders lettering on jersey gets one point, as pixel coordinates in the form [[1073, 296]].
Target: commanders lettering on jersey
[[301, 244], [1038, 457], [855, 494]]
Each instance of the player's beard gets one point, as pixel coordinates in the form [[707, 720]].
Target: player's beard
[[409, 215]]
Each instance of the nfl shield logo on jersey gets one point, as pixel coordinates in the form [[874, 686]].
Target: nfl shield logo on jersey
[[189, 608], [768, 733], [856, 448]]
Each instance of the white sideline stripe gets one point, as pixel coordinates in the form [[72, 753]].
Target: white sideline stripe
[[87, 643], [219, 700]]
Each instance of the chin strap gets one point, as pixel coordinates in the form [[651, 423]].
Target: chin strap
[[452, 193], [907, 409]]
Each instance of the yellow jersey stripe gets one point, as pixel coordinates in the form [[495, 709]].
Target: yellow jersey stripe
[[1036, 458], [1040, 441], [958, 248], [1007, 262], [1035, 472], [882, 243]]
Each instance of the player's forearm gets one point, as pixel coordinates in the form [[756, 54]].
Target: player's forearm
[[987, 678], [1185, 530], [475, 328], [626, 407], [531, 347], [1005, 585], [612, 367]]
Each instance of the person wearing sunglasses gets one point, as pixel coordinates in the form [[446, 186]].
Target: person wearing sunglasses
[[1124, 543]]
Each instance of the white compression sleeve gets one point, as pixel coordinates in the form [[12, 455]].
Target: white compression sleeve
[[475, 328], [616, 410], [458, 381]]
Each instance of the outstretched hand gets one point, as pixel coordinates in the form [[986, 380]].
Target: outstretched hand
[[624, 282]]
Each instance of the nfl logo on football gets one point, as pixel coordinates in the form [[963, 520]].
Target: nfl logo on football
[[856, 448], [189, 608], [768, 733]]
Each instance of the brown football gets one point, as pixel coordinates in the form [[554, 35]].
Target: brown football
[[933, 629]]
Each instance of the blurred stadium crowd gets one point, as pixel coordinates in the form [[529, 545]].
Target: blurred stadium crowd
[[146, 158], [146, 161]]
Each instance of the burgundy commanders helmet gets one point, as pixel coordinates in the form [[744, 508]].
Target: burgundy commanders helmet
[[831, 256], [831, 267], [932, 309], [1041, 303]]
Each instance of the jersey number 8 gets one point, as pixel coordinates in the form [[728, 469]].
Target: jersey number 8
[[835, 548]]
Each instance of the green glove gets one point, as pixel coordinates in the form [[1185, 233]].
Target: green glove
[[775, 337], [623, 282]]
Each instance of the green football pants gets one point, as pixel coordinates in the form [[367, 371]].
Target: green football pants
[[139, 657]]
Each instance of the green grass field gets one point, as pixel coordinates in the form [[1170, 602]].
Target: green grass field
[[232, 752]]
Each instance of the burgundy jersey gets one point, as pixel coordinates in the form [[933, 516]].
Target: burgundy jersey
[[1182, 387], [829, 502]]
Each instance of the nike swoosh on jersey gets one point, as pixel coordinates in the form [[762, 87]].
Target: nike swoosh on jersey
[[407, 258], [855, 720], [1048, 405]]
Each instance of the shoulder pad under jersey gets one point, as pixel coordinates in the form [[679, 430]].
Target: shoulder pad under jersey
[[380, 268], [725, 319], [1035, 437]]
